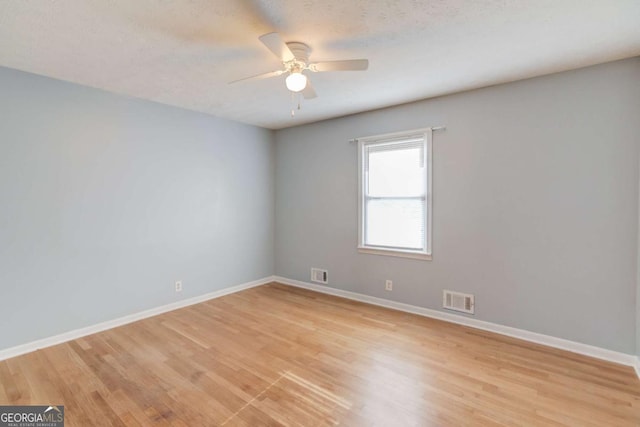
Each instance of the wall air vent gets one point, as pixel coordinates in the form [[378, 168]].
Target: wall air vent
[[458, 301], [319, 276]]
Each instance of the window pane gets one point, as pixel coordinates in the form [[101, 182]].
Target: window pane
[[396, 173], [395, 223]]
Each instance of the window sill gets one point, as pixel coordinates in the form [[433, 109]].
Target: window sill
[[400, 254]]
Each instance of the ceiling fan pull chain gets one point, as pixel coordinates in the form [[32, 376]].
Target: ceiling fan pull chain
[[293, 111]]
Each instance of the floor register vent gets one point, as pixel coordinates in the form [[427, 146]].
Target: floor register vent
[[458, 301], [319, 276]]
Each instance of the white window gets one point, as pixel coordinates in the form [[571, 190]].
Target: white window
[[394, 207]]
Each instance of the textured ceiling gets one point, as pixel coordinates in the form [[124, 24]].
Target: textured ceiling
[[183, 52]]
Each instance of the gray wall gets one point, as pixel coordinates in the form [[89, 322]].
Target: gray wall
[[106, 201], [535, 204]]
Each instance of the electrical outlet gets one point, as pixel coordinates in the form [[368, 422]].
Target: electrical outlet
[[179, 286], [388, 285]]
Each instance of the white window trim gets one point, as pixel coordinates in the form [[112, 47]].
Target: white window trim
[[426, 133]]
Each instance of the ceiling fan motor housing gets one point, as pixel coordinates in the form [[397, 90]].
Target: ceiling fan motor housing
[[300, 51]]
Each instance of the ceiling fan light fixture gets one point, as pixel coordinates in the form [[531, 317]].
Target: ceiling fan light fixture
[[296, 81]]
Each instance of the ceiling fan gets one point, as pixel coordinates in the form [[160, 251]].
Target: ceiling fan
[[295, 61]]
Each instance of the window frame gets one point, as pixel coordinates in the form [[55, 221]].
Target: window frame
[[426, 135]]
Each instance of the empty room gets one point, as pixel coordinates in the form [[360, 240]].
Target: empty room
[[319, 213]]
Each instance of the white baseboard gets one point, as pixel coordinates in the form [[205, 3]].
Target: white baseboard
[[560, 343], [585, 349], [109, 324]]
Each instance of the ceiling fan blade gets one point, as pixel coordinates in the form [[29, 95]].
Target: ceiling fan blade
[[309, 92], [260, 76], [275, 44], [346, 65]]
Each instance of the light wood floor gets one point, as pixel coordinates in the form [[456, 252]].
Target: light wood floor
[[276, 355]]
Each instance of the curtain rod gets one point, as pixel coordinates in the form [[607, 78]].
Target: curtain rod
[[433, 129]]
